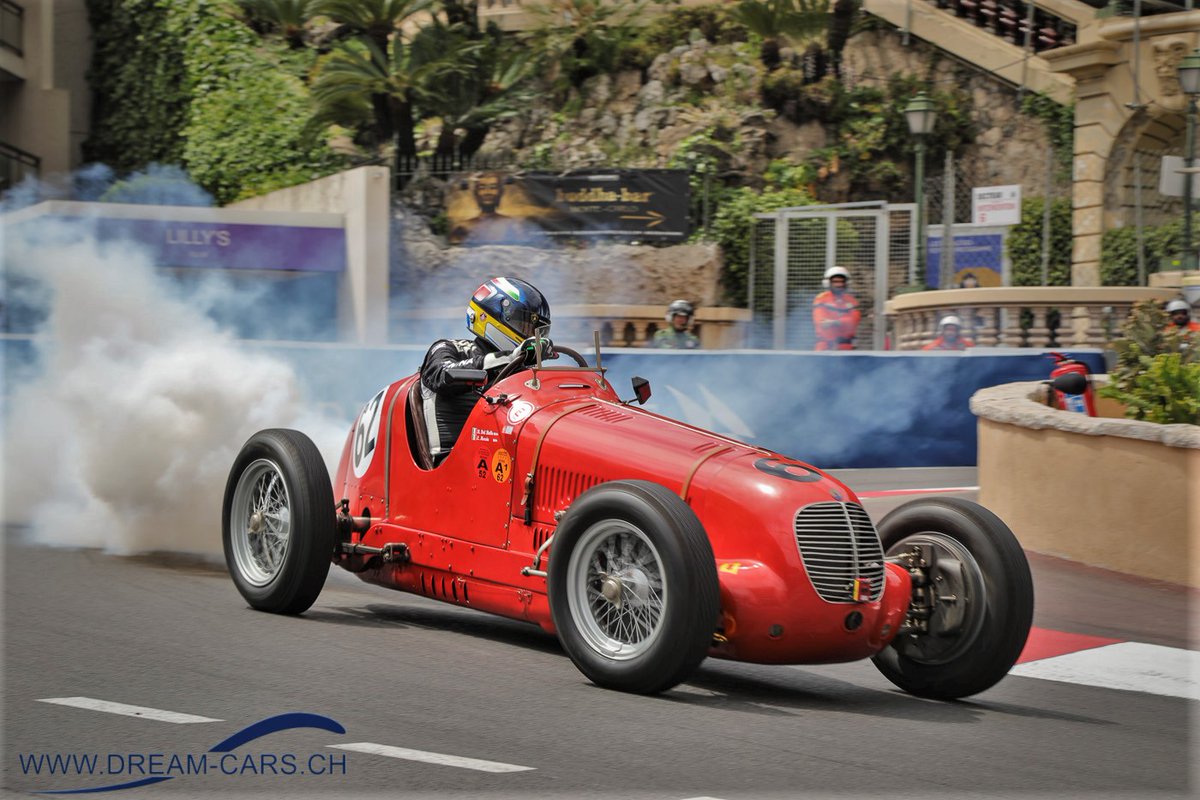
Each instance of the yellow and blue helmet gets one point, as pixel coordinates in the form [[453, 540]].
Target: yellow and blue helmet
[[507, 311]]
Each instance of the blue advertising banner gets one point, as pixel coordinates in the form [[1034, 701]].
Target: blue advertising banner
[[833, 410], [978, 260]]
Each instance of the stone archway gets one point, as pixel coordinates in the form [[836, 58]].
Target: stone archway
[[1128, 114], [1135, 160]]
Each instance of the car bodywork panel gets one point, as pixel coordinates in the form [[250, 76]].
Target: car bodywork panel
[[473, 527]]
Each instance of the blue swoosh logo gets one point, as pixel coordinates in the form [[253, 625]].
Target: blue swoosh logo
[[265, 727]]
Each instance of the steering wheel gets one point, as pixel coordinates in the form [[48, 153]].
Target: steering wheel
[[519, 363]]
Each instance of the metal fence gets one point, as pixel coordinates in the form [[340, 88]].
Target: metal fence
[[16, 165], [792, 248]]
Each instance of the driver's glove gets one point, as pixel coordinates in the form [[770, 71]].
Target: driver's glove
[[547, 349], [493, 361]]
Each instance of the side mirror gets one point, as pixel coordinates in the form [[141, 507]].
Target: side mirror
[[470, 377], [1070, 383], [641, 390]]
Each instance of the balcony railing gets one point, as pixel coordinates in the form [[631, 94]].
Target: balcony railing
[[16, 165], [1067, 316], [12, 36], [1010, 20]]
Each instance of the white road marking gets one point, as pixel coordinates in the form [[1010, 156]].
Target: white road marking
[[429, 758], [107, 707], [1131, 666]]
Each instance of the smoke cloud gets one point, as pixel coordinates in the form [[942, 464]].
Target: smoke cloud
[[121, 432]]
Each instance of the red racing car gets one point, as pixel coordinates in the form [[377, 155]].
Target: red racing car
[[644, 543]]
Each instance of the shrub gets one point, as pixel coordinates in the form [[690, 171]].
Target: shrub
[[1025, 243], [1118, 251], [1157, 375]]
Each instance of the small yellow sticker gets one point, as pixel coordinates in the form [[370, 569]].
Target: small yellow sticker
[[501, 466], [730, 566]]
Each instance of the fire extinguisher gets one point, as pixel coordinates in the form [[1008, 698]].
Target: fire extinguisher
[[1070, 386]]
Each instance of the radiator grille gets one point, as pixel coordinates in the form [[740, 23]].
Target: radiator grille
[[838, 544]]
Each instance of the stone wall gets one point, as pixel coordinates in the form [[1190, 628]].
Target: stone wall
[[1114, 493]]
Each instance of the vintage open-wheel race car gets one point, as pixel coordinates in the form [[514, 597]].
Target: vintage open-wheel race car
[[644, 543]]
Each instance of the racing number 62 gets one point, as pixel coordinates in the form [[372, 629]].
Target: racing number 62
[[366, 433]]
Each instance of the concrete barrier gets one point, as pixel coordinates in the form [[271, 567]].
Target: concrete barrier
[[1114, 493]]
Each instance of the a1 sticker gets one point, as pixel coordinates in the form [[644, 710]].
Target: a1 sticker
[[519, 410], [366, 434], [501, 466]]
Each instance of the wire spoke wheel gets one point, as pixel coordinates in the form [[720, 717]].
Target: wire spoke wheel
[[261, 522], [633, 587], [618, 589], [278, 525]]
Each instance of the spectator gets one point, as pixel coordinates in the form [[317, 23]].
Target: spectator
[[678, 336], [1181, 318], [949, 336], [835, 312]]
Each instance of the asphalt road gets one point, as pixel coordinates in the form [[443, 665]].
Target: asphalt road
[[406, 672]]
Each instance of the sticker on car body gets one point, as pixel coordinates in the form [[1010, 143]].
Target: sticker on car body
[[501, 465], [366, 434], [519, 411]]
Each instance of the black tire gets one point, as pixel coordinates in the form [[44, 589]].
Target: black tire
[[994, 628], [288, 582], [656, 525]]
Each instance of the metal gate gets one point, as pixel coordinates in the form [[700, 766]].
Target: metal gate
[[790, 250]]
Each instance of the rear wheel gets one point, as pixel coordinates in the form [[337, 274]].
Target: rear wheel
[[633, 587], [278, 524], [976, 606]]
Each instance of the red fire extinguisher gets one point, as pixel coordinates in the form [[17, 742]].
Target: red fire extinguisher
[[1070, 386]]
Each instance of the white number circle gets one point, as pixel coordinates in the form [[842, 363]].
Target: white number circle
[[366, 435]]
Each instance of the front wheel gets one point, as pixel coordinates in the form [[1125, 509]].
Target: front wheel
[[973, 614], [278, 525], [633, 587]]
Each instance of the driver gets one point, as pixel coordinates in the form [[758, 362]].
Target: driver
[[502, 314]]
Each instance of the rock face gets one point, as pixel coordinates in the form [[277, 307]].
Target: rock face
[[709, 92]]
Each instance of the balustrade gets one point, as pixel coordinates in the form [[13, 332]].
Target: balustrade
[[1009, 20], [1020, 317]]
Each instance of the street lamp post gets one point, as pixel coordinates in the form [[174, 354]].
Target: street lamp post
[[1189, 81], [921, 114]]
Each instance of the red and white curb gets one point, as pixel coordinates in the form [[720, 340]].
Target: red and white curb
[[1110, 664]]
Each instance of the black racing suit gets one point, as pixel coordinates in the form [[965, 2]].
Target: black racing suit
[[448, 404]]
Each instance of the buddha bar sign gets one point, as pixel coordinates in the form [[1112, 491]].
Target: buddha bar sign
[[528, 207]]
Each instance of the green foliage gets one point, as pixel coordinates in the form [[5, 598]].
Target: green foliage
[[200, 90], [871, 138], [1163, 246], [1166, 390], [678, 26], [140, 95], [1060, 124], [576, 39], [1157, 375], [733, 225], [1025, 243]]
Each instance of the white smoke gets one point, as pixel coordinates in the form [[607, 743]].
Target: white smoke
[[124, 437]]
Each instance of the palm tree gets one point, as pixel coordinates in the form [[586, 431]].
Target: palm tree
[[359, 74], [287, 17], [491, 86], [796, 22]]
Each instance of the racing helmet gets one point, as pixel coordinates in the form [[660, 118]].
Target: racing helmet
[[680, 307], [506, 312], [949, 319], [834, 272], [1178, 305]]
